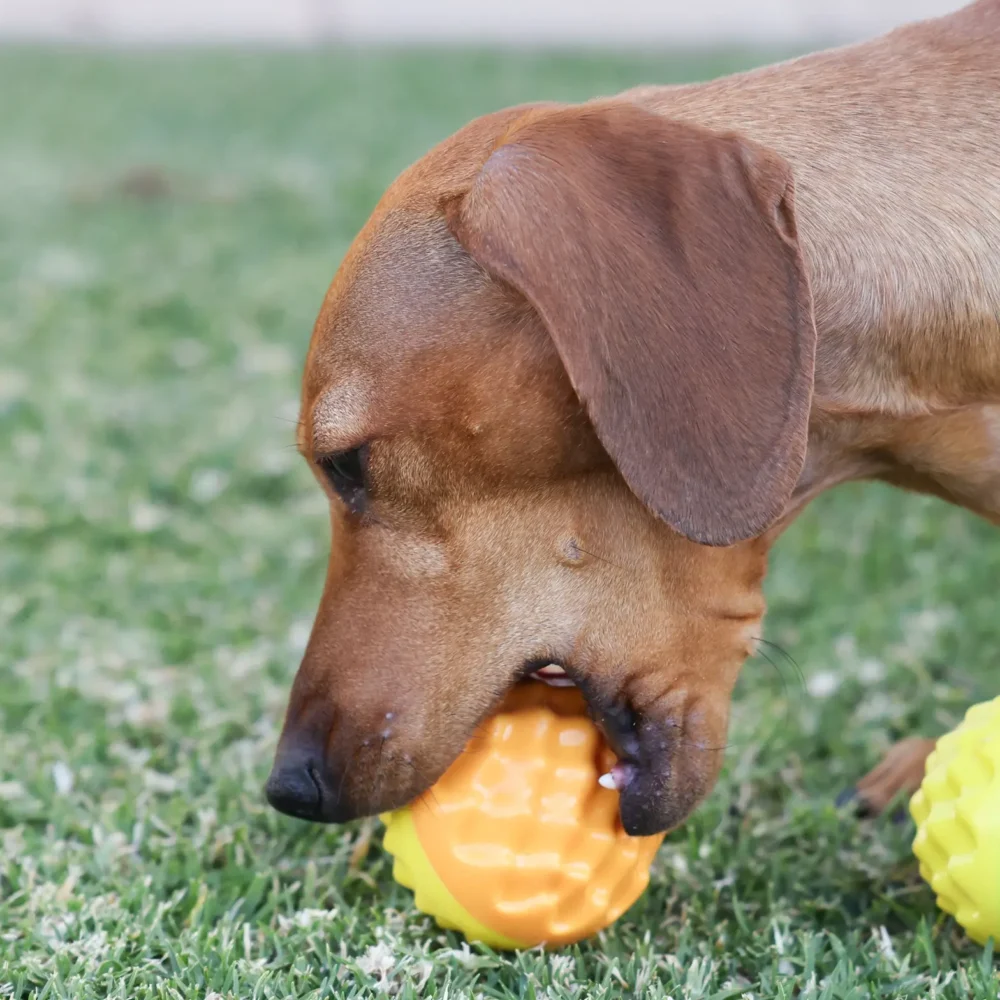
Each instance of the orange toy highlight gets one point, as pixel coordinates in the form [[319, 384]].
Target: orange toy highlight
[[517, 844]]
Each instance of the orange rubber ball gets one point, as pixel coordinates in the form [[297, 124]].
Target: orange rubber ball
[[517, 844]]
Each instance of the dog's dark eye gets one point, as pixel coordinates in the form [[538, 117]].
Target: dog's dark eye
[[347, 473]]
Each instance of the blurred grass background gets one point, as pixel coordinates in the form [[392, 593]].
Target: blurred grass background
[[168, 225]]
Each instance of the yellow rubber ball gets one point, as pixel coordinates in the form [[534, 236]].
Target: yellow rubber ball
[[957, 811], [517, 844]]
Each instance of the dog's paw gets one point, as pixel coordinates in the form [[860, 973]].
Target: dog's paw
[[900, 772]]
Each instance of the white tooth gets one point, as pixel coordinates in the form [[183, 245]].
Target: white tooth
[[607, 781]]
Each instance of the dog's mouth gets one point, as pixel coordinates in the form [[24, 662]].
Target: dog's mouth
[[618, 778], [662, 771]]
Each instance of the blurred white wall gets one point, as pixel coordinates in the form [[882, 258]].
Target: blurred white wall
[[619, 22]]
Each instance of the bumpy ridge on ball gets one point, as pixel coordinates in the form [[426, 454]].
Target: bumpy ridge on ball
[[957, 811], [518, 844], [412, 869]]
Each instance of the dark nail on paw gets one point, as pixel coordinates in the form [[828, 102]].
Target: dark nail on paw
[[850, 796], [846, 796]]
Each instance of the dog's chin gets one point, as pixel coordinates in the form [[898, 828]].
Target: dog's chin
[[651, 802]]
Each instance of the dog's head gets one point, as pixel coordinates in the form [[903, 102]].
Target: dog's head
[[558, 389]]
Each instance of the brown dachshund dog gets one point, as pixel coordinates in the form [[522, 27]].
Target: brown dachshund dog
[[585, 362]]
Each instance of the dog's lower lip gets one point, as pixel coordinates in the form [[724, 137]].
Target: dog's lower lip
[[619, 777], [623, 772]]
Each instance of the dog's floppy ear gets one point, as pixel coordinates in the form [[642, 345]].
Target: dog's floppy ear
[[663, 259]]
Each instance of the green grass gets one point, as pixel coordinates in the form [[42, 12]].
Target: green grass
[[168, 225]]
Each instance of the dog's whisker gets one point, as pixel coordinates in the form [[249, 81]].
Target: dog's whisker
[[786, 656], [430, 789], [378, 768], [603, 559], [688, 745], [777, 670], [343, 777]]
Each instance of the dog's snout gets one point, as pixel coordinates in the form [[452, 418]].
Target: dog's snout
[[333, 777], [300, 782], [293, 788]]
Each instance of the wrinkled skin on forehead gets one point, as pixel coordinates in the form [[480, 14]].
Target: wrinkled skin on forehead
[[498, 534]]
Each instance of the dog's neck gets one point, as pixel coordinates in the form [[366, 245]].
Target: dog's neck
[[895, 146]]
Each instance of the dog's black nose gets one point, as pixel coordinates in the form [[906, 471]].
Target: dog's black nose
[[294, 787]]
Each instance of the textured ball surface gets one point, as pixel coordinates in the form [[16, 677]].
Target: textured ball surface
[[957, 811], [517, 844]]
